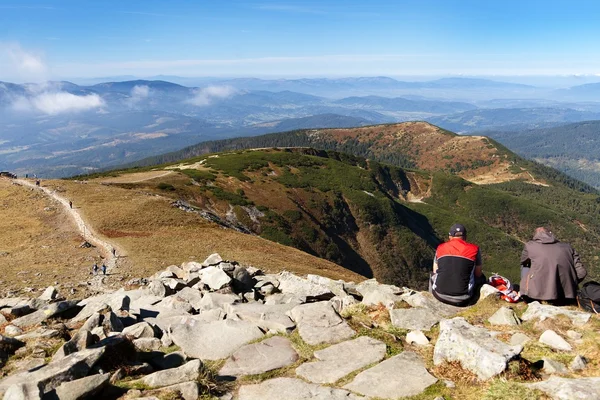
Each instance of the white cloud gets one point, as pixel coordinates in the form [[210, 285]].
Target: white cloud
[[57, 103], [138, 93], [15, 62], [205, 96]]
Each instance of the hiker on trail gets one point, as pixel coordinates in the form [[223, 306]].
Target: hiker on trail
[[95, 269], [26, 176], [103, 269], [37, 183], [550, 269], [456, 269], [70, 204]]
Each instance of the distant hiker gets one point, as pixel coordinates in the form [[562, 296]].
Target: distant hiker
[[456, 269], [95, 269], [550, 269], [37, 183], [26, 176], [103, 269], [114, 252], [70, 204]]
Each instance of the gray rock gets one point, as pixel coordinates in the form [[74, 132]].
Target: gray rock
[[175, 302], [147, 344], [217, 300], [39, 333], [340, 303], [214, 277], [552, 339], [339, 360], [191, 266], [292, 389], [519, 339], [267, 317], [178, 272], [159, 289], [83, 388], [417, 337], [299, 287], [474, 347], [213, 259], [27, 364], [174, 284], [3, 319], [574, 335], [187, 372], [21, 310], [92, 322], [145, 301], [9, 345], [81, 340], [74, 366], [256, 358], [187, 390], [192, 296], [49, 294], [414, 318], [400, 376], [504, 316], [242, 281], [98, 304], [336, 287], [213, 340], [578, 364], [140, 330], [569, 389], [318, 323], [554, 367], [536, 310], [487, 290], [9, 302], [281, 298], [23, 391], [426, 300], [373, 293], [12, 330], [110, 322], [47, 312]]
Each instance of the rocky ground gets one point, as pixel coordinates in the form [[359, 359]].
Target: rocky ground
[[218, 330]]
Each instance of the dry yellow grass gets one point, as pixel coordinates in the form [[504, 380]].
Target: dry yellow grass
[[149, 233], [39, 244]]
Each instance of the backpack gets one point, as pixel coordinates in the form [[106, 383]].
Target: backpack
[[505, 288], [588, 297]]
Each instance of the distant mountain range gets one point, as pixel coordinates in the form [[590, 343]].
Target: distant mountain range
[[60, 128]]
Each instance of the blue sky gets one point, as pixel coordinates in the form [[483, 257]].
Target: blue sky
[[60, 39]]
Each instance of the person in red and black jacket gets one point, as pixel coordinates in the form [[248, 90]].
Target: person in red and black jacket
[[456, 269]]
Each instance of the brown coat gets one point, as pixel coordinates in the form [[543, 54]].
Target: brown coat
[[555, 269]]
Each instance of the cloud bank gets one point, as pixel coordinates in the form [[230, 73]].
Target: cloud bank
[[138, 93], [53, 103], [205, 96]]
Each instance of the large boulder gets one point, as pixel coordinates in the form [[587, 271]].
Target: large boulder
[[427, 301], [303, 288], [84, 388], [421, 319], [554, 340], [213, 340], [569, 389], [187, 372], [257, 358], [81, 340], [47, 312], [217, 300], [74, 366], [267, 317], [292, 389], [535, 310], [215, 278], [318, 323], [374, 293], [400, 376], [504, 316], [140, 330], [339, 360], [474, 347]]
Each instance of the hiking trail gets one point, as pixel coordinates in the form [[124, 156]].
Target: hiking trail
[[88, 233]]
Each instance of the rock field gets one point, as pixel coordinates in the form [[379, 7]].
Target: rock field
[[220, 330]]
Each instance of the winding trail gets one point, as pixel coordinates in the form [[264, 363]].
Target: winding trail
[[86, 231]]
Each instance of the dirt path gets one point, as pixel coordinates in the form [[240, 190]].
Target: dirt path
[[86, 231], [138, 177]]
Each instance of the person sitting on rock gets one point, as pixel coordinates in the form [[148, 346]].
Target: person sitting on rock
[[550, 269], [457, 269]]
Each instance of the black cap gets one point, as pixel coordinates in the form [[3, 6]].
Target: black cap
[[458, 230]]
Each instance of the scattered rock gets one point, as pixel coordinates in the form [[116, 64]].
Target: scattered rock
[[474, 347], [173, 376], [569, 389], [487, 290], [187, 391], [213, 259], [417, 337], [140, 330], [267, 317], [400, 376], [414, 318], [504, 316], [257, 358], [49, 294], [519, 339], [83, 388], [339, 360], [535, 310], [214, 277], [554, 367], [12, 330], [292, 389], [213, 340], [292, 284], [578, 364], [147, 344], [574, 335], [552, 339], [318, 323]]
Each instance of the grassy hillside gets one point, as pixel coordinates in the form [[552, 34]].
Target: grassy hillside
[[374, 219]]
